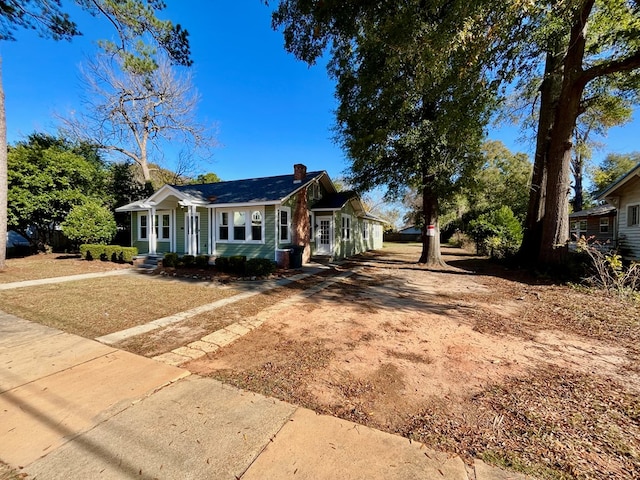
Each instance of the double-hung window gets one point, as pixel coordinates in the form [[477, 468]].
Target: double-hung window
[[346, 227], [241, 226], [604, 225], [163, 226], [633, 215], [284, 225], [143, 227], [365, 230], [223, 229]]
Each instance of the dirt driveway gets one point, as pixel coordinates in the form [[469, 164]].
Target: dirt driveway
[[473, 359]]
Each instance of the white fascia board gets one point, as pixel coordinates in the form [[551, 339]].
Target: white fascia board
[[235, 205], [164, 192]]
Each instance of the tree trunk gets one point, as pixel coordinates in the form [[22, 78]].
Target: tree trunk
[[431, 256], [3, 176], [577, 165], [549, 94], [555, 224]]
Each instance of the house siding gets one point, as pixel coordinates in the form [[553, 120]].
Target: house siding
[[343, 247], [254, 250], [629, 237], [593, 228]]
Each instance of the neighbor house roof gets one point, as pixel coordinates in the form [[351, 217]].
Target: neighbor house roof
[[608, 192], [598, 211]]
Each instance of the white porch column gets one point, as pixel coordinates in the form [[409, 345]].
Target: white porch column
[[193, 243], [153, 237]]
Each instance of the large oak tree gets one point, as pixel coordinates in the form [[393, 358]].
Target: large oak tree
[[413, 92]]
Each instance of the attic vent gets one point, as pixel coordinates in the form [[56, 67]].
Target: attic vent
[[212, 198]]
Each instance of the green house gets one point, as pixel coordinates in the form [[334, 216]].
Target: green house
[[257, 217]]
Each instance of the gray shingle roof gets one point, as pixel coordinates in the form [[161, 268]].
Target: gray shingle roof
[[594, 212], [334, 201], [252, 190]]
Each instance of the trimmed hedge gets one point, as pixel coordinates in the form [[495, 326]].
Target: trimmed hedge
[[239, 265], [113, 253], [260, 267], [170, 260], [235, 264]]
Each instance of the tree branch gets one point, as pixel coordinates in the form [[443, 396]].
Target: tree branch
[[627, 64]]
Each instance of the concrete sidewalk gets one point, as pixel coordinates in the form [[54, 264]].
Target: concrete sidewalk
[[74, 408]]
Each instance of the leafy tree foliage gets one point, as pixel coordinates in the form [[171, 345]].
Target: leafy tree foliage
[[504, 179], [413, 94], [580, 42], [47, 177], [612, 168], [497, 232], [605, 110], [209, 177], [89, 222]]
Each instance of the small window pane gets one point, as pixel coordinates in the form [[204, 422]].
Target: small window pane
[[165, 227], [239, 226], [143, 226], [224, 226], [256, 226]]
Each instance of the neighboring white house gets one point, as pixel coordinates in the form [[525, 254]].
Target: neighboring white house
[[624, 194]]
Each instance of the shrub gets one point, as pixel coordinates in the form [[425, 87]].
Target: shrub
[[188, 261], [202, 261], [235, 264], [89, 223], [497, 233], [113, 253], [260, 267], [608, 270], [170, 260]]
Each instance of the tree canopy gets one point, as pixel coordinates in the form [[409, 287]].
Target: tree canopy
[[140, 33], [47, 178], [413, 94]]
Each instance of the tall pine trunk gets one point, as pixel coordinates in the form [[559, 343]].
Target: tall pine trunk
[[3, 176]]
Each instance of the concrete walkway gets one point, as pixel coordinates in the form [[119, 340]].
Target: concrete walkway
[[68, 278]]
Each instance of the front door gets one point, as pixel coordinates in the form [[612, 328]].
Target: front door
[[192, 233], [324, 235]]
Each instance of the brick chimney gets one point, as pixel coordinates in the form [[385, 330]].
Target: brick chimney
[[299, 172]]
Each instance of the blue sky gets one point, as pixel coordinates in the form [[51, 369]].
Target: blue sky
[[271, 110]]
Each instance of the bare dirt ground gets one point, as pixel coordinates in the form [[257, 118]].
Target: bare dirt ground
[[473, 359]]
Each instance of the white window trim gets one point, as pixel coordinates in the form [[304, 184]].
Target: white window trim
[[140, 237], [604, 222], [365, 230], [346, 227], [160, 214], [248, 225], [629, 207], [288, 239]]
